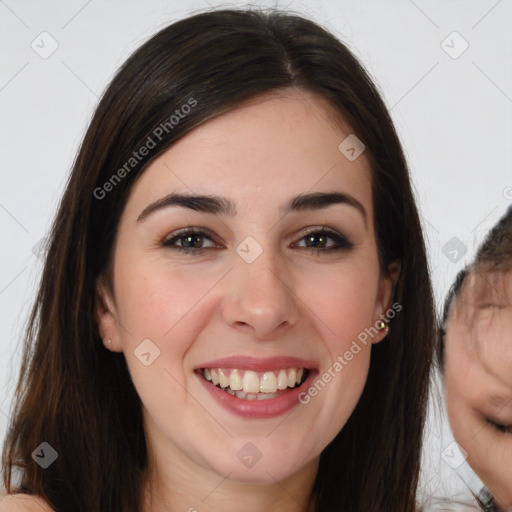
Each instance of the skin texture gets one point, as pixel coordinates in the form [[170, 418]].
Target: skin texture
[[22, 503], [478, 379], [290, 301]]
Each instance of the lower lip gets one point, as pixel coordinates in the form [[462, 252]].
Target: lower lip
[[259, 409]]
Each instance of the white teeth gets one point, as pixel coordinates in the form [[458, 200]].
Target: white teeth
[[235, 381], [250, 382], [292, 376], [268, 383], [282, 380], [223, 380], [265, 396], [253, 385]]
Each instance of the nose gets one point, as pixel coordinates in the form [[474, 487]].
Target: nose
[[260, 300]]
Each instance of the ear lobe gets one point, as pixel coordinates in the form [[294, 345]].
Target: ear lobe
[[385, 297]]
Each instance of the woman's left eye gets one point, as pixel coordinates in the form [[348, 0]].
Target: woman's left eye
[[316, 240]]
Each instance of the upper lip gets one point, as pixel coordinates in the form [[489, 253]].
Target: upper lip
[[258, 364]]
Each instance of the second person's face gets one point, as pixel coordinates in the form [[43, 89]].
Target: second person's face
[[478, 379]]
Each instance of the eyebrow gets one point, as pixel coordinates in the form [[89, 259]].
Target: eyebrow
[[221, 205]]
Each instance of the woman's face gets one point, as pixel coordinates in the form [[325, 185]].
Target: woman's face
[[278, 285], [478, 379]]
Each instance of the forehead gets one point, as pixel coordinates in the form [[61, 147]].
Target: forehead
[[273, 147], [482, 283], [481, 291], [479, 335]]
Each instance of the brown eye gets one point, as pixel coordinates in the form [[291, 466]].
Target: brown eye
[[190, 241], [321, 240]]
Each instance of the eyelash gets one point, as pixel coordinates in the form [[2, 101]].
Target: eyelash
[[502, 429], [490, 306], [342, 242]]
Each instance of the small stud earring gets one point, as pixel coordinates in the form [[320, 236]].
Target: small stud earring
[[110, 343], [381, 325]]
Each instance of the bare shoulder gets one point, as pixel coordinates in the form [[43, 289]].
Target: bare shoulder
[[23, 503]]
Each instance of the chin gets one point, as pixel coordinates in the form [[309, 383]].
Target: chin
[[266, 466]]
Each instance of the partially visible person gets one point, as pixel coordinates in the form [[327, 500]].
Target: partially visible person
[[475, 357]]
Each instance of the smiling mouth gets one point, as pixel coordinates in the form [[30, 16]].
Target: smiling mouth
[[250, 385]]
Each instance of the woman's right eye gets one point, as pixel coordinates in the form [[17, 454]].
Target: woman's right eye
[[190, 239]]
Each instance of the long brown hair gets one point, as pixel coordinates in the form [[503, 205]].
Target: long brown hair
[[79, 398]]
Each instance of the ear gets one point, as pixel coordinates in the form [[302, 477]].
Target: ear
[[106, 316], [387, 285]]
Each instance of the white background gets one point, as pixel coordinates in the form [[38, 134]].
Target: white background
[[453, 116]]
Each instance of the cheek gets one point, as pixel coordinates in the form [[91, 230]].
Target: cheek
[[342, 301], [495, 348], [157, 301], [461, 418], [161, 313], [343, 306], [488, 451], [460, 383]]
